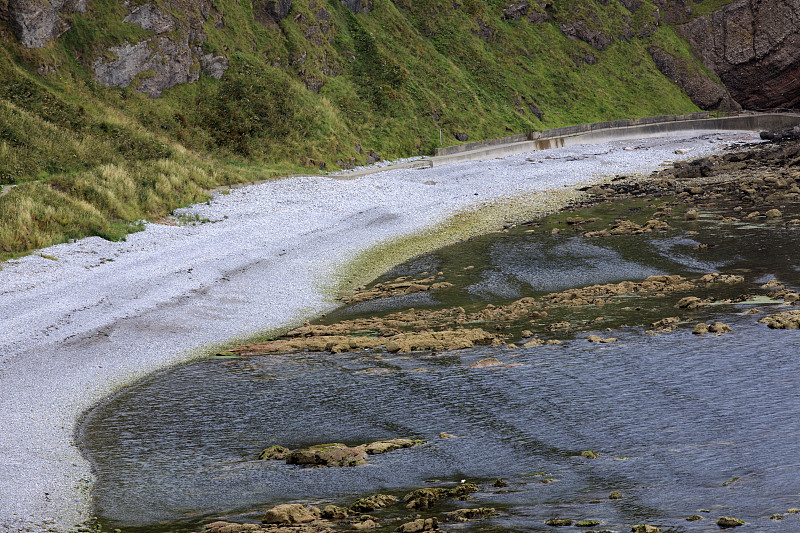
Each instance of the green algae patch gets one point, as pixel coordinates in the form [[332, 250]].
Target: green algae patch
[[488, 218]]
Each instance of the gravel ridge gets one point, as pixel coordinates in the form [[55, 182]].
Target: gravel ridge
[[75, 329]]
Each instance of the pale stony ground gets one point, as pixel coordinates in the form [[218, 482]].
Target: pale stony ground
[[75, 329]]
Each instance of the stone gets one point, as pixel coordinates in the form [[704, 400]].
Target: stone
[[37, 22], [774, 213], [784, 320], [151, 17], [694, 518], [271, 10], [372, 503], [727, 522], [590, 454], [465, 515], [558, 522], [690, 302], [463, 137], [719, 327], [486, 363], [332, 512], [615, 496], [587, 523], [579, 29], [601, 340], [421, 524], [645, 528], [358, 6], [331, 454], [274, 453], [163, 63], [288, 514], [691, 214], [384, 446], [211, 65], [516, 11]]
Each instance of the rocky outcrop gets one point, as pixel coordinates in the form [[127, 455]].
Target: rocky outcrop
[[161, 62], [266, 11], [579, 29], [752, 47], [37, 22], [155, 65], [704, 92], [358, 6], [151, 18]]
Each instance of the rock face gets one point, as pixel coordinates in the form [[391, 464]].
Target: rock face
[[358, 6], [581, 30], [704, 92], [37, 22], [161, 62], [276, 10], [752, 47]]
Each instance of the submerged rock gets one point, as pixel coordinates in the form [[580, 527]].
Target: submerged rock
[[464, 515], [558, 522], [427, 497], [486, 363], [645, 528]]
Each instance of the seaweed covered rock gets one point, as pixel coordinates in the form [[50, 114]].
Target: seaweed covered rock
[[333, 454], [784, 320], [289, 514]]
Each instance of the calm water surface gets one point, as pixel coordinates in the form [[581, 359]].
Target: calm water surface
[[675, 417]]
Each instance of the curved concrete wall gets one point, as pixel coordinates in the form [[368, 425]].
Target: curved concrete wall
[[749, 122]]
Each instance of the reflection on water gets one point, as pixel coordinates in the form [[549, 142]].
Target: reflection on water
[[674, 416]]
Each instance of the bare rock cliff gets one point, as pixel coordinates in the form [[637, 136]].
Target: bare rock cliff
[[752, 45], [35, 23]]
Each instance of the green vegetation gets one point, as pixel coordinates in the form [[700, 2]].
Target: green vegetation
[[317, 90]]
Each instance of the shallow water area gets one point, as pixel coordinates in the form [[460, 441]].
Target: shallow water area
[[676, 417]]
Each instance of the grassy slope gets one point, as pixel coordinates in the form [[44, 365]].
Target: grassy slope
[[89, 160]]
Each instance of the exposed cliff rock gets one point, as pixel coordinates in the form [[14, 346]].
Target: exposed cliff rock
[[271, 11], [704, 92], [35, 23], [752, 46], [358, 6], [162, 62], [579, 29]]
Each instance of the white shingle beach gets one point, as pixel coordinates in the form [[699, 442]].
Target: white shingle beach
[[101, 314]]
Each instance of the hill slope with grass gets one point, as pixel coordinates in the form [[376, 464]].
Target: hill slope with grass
[[113, 111]]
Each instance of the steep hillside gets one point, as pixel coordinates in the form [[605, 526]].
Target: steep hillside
[[112, 111]]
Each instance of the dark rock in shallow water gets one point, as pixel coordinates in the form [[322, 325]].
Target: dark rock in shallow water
[[788, 134], [726, 522]]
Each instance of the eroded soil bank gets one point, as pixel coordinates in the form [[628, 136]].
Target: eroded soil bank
[[695, 267]]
